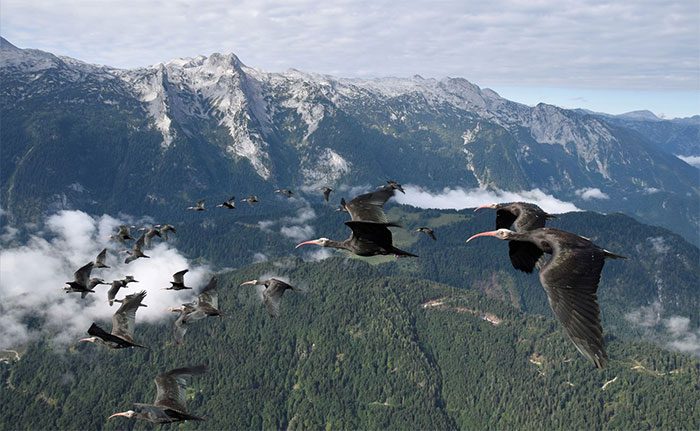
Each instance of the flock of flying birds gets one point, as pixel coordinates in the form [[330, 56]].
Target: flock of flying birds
[[570, 278]]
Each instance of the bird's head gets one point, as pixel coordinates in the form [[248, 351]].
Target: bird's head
[[487, 206], [323, 242], [127, 414], [500, 234], [249, 283], [88, 340]]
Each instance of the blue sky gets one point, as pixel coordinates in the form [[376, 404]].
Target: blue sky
[[609, 56]]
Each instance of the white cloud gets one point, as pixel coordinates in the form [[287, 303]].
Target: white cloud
[[591, 193], [297, 233], [674, 332], [502, 41], [32, 277], [472, 198], [260, 257], [691, 160], [295, 227], [317, 255]]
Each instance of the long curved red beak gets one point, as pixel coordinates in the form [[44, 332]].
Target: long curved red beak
[[490, 206], [489, 233], [313, 241]]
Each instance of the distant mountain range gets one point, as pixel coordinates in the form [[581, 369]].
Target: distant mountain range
[[151, 139]]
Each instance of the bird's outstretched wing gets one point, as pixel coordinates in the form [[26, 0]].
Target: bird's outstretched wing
[[124, 320], [504, 218], [179, 277], [208, 295], [571, 279], [370, 206], [171, 385], [524, 255], [372, 232], [101, 258], [82, 275], [272, 296]]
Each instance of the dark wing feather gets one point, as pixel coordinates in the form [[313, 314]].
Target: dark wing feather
[[377, 233], [272, 295], [209, 295], [124, 320], [82, 275], [370, 206], [100, 260], [524, 255], [179, 277], [112, 292], [171, 385], [571, 279], [140, 242], [504, 218]]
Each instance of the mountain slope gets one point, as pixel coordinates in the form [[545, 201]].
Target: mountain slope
[[360, 351], [152, 139]]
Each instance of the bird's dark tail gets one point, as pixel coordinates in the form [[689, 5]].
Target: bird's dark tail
[[611, 255], [96, 331], [400, 253]]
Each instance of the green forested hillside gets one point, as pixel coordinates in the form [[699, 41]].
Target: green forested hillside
[[661, 266], [364, 350]]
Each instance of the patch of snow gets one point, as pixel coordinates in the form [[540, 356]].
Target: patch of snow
[[327, 168]]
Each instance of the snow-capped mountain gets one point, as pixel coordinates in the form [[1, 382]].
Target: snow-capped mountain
[[210, 122]]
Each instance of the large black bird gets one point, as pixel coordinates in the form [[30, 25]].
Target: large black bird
[[326, 192], [228, 204], [272, 295], [367, 239], [428, 231], [206, 304], [369, 206], [81, 280], [100, 259], [178, 282], [199, 206], [116, 285], [523, 217], [169, 405], [285, 192], [123, 234], [570, 278], [137, 251], [123, 323]]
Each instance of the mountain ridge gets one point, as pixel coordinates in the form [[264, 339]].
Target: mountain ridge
[[308, 129]]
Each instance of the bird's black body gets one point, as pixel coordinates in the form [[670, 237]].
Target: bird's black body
[[178, 282], [285, 192], [100, 259], [123, 323], [428, 231], [169, 405], [228, 204], [81, 280], [522, 217], [369, 206], [570, 278], [272, 295], [326, 193]]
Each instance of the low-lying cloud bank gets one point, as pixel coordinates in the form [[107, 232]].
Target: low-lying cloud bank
[[470, 198], [674, 332], [32, 277]]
